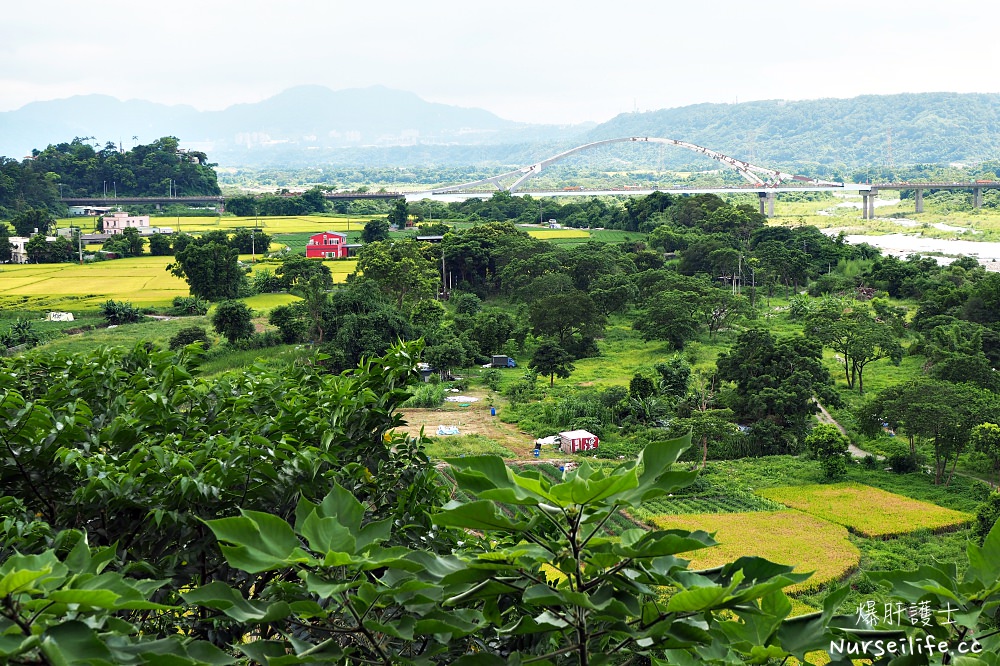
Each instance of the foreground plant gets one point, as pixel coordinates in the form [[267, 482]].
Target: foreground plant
[[536, 580]]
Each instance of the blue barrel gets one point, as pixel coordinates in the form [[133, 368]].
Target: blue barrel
[[493, 411]]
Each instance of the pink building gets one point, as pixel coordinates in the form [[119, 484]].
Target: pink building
[[327, 245], [115, 223]]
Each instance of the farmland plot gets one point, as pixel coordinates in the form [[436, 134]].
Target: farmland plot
[[867, 511]]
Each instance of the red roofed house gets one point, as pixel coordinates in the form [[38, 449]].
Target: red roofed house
[[327, 245]]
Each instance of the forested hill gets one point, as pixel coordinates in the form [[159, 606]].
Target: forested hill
[[77, 169], [935, 128]]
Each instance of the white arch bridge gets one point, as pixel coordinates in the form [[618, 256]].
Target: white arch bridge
[[756, 176]]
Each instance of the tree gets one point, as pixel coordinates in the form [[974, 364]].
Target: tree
[[400, 269], [670, 316], [159, 245], [32, 221], [830, 447], [233, 320], [552, 360], [777, 381], [211, 269], [374, 231], [858, 338], [248, 241], [985, 438], [296, 269], [446, 356], [941, 412], [399, 215], [571, 317], [6, 248], [40, 250]]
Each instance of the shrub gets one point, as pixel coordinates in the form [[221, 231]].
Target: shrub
[[461, 384], [189, 336], [428, 395], [492, 379], [257, 341], [986, 517], [233, 319], [190, 305], [265, 282], [120, 312], [830, 448], [21, 332]]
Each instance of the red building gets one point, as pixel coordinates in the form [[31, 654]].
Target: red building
[[577, 440], [327, 245]]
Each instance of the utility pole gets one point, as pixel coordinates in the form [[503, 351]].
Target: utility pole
[[253, 247]]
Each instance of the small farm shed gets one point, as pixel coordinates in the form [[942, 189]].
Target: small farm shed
[[327, 245], [577, 440]]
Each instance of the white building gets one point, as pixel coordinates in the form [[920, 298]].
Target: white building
[[18, 254], [115, 223]]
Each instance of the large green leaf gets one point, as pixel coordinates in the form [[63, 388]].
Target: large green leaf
[[74, 642], [221, 597], [478, 515], [984, 562], [260, 542]]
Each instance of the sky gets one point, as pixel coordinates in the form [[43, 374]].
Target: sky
[[541, 61]]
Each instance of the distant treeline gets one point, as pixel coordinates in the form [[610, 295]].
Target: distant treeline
[[78, 169]]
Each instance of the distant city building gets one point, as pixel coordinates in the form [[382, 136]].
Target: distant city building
[[116, 223], [327, 245]]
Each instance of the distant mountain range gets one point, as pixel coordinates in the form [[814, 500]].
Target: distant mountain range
[[313, 125], [308, 120]]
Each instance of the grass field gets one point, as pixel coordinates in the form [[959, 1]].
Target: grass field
[[867, 511], [785, 537]]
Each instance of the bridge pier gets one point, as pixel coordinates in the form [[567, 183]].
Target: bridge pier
[[868, 205], [977, 197], [918, 200], [769, 198]]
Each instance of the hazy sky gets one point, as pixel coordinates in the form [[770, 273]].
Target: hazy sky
[[541, 61]]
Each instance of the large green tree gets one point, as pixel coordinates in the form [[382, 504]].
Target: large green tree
[[777, 380], [551, 360], [858, 338], [940, 412], [32, 221], [212, 270], [404, 270]]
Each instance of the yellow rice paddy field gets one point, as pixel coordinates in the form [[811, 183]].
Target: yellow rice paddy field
[[784, 537], [142, 280], [867, 511]]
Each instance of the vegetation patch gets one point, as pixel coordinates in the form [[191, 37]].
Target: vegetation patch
[[867, 511], [779, 536]]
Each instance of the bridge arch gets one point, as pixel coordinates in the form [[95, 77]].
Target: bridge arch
[[756, 175]]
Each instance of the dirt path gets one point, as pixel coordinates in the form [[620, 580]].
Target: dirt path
[[824, 417]]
